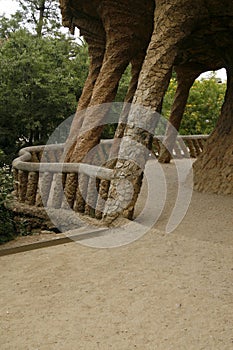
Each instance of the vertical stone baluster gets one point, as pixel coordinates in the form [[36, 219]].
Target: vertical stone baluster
[[176, 148], [81, 193], [16, 182], [201, 143], [183, 147], [45, 188], [23, 180], [58, 190], [34, 157], [52, 156], [92, 195], [192, 151], [102, 197], [70, 190], [39, 155], [58, 154], [32, 187], [197, 148]]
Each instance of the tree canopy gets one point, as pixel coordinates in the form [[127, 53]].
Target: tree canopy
[[41, 17], [41, 80], [203, 107]]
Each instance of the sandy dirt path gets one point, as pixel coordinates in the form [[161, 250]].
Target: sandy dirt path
[[164, 291]]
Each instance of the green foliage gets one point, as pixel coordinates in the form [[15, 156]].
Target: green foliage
[[10, 25], [6, 182], [109, 131], [41, 80], [10, 226], [41, 16], [203, 106], [123, 85], [7, 226], [3, 158]]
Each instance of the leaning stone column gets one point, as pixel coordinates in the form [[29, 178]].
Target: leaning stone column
[[186, 76], [172, 24], [213, 170]]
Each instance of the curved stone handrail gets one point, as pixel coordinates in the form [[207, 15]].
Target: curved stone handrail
[[193, 137], [23, 162]]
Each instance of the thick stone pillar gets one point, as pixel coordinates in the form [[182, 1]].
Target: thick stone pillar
[[171, 24], [213, 170]]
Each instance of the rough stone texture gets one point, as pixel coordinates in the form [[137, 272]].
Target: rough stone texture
[[102, 197], [197, 54], [126, 41], [213, 171], [16, 182], [71, 188], [174, 22], [193, 37], [57, 195], [22, 188], [118, 33], [92, 195], [115, 40], [81, 193], [32, 185], [153, 82], [45, 187]]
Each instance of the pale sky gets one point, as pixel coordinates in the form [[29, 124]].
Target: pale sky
[[10, 6]]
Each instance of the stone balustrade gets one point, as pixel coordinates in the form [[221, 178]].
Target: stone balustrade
[[40, 175], [185, 146]]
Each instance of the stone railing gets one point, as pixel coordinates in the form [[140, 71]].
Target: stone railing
[[28, 166], [38, 168], [185, 146]]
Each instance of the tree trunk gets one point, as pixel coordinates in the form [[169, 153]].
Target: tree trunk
[[40, 23], [213, 168]]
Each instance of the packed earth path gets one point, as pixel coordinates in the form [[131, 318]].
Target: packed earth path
[[163, 291]]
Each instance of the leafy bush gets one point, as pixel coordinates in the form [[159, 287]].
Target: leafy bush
[[7, 226], [203, 105], [41, 80]]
